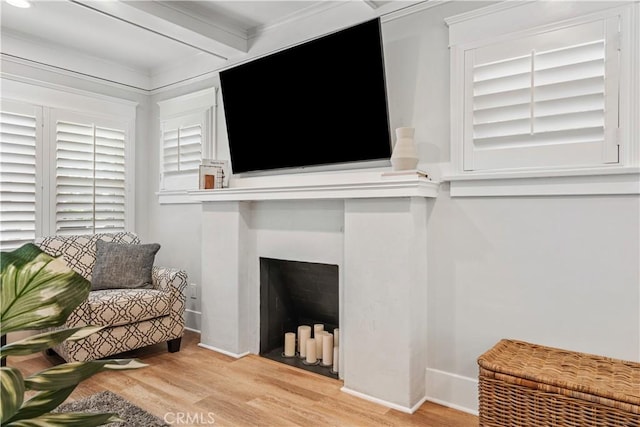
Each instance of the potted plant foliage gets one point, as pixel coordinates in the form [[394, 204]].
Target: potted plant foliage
[[39, 292]]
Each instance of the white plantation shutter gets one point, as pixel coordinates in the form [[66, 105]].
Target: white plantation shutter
[[190, 139], [182, 145], [170, 151], [109, 179], [90, 177], [18, 133], [548, 100]]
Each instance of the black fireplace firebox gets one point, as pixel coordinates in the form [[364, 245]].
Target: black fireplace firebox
[[294, 293]]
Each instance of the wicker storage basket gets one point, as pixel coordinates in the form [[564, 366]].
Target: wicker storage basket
[[522, 384]]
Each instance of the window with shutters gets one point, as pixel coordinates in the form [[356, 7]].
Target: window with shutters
[[62, 172], [187, 136], [19, 132], [539, 101], [546, 100], [89, 176]]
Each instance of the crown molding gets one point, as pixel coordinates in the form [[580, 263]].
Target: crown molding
[[416, 7], [305, 13]]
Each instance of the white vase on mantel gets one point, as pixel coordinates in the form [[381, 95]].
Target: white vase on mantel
[[405, 153]]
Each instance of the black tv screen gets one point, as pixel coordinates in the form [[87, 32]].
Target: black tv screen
[[318, 103]]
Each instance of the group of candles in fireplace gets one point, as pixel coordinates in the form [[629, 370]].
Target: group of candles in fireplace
[[322, 348]]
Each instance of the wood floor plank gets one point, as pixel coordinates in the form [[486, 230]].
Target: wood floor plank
[[296, 413], [355, 415], [251, 391]]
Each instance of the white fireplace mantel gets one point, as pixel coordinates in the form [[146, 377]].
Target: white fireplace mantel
[[379, 240], [354, 186]]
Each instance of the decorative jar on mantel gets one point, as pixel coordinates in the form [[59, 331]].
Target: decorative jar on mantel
[[405, 154]]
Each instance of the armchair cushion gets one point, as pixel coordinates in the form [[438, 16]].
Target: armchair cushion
[[122, 306], [120, 265]]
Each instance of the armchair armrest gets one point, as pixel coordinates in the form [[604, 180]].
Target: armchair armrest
[[169, 279], [80, 316]]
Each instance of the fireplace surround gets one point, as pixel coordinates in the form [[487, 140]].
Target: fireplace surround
[[373, 229]]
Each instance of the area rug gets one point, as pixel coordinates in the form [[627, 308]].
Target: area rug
[[106, 401]]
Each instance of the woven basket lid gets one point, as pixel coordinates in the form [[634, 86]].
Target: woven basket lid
[[614, 379]]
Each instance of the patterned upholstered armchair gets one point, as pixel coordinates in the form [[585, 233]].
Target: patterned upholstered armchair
[[132, 318]]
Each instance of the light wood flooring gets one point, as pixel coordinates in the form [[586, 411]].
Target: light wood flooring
[[251, 391]]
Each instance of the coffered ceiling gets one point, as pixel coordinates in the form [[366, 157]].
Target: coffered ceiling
[[143, 43]]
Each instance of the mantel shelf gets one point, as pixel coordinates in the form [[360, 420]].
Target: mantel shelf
[[383, 187]]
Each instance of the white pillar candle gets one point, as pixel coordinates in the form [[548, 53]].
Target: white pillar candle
[[336, 359], [319, 340], [290, 344], [336, 337], [304, 333], [317, 328], [327, 349], [311, 351]]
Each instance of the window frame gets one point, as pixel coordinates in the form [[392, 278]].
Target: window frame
[[471, 30], [49, 99], [181, 111]]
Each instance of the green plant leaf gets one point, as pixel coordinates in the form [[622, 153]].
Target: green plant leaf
[[37, 292], [40, 342], [12, 393], [42, 403], [20, 256], [67, 419], [69, 374]]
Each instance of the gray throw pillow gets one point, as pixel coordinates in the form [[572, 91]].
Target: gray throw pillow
[[120, 265]]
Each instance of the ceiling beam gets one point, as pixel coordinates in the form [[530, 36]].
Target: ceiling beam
[[167, 22], [372, 4]]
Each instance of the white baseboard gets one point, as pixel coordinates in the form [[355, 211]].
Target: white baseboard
[[225, 352], [452, 390], [192, 320], [395, 406], [186, 328]]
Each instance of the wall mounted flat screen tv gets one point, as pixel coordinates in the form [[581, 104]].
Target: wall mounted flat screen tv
[[318, 103]]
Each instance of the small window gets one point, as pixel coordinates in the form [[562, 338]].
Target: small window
[[547, 100], [187, 136]]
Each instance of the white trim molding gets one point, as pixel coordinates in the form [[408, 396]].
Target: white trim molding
[[452, 390], [403, 186], [562, 183], [175, 197], [226, 353], [406, 410]]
